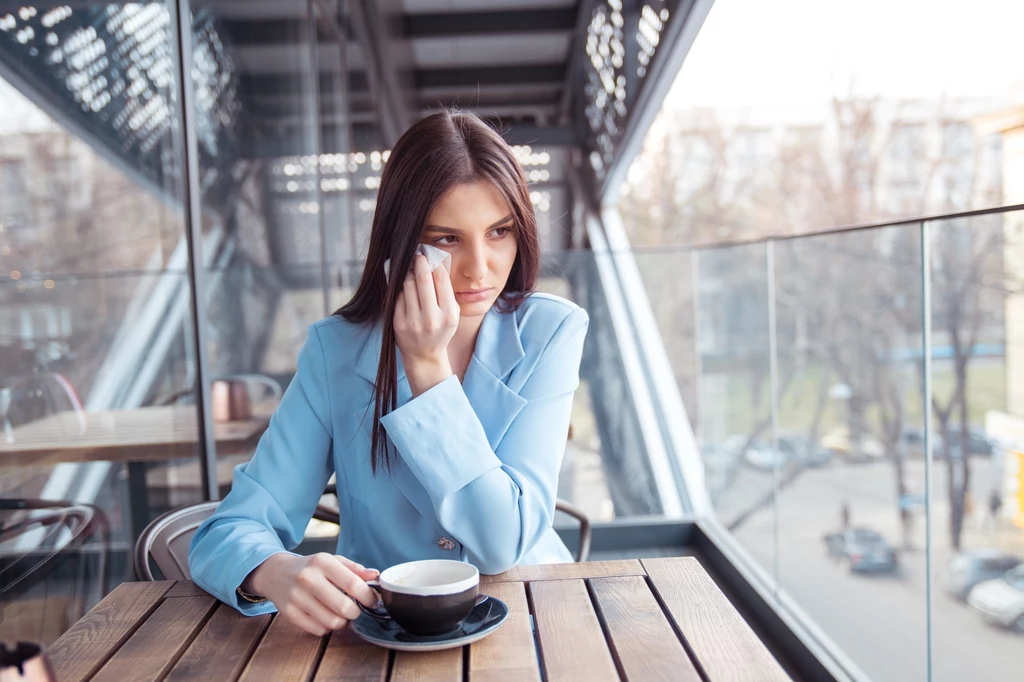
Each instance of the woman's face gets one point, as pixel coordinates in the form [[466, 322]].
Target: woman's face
[[474, 224]]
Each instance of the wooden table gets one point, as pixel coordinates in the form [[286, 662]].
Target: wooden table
[[135, 436], [654, 619], [144, 434]]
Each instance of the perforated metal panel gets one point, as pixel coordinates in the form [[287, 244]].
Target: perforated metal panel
[[622, 40]]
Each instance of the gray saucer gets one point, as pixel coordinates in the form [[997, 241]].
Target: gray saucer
[[484, 619]]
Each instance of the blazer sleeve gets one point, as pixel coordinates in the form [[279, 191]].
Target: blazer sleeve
[[497, 503], [272, 496]]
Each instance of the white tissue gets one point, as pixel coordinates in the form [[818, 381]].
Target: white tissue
[[435, 258]]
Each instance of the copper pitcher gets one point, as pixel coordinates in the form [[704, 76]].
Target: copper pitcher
[[25, 662], [230, 400]]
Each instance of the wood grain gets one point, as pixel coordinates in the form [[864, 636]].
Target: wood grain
[[509, 653], [92, 640], [432, 666], [286, 653], [724, 644], [222, 649], [350, 659], [158, 642], [185, 588], [574, 571], [641, 637], [572, 644]]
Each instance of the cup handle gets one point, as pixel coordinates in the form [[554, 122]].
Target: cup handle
[[378, 613]]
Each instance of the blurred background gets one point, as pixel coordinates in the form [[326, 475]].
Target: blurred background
[[797, 227]]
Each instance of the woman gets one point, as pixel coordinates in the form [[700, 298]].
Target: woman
[[447, 443]]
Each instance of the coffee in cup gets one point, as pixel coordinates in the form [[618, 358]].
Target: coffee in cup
[[429, 597]]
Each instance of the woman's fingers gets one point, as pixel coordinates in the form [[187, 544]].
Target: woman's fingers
[[311, 605], [445, 295], [336, 601], [345, 580], [424, 283], [358, 569], [412, 299], [304, 620]]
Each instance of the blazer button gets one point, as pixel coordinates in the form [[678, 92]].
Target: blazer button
[[446, 544]]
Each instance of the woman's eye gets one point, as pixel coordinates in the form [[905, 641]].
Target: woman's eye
[[442, 242], [501, 232]]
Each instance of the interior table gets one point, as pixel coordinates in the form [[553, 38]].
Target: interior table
[[134, 436], [650, 619]]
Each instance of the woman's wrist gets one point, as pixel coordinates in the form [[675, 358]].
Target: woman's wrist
[[425, 373], [255, 582]]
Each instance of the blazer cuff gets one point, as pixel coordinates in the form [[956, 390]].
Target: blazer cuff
[[235, 574], [441, 439]]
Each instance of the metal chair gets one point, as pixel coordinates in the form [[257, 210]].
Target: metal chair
[[165, 541], [582, 552]]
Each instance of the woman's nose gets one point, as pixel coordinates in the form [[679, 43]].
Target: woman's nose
[[474, 265]]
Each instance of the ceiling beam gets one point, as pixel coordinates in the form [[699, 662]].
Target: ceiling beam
[[490, 75], [488, 23]]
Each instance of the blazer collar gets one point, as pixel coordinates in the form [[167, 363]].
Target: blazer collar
[[498, 347]]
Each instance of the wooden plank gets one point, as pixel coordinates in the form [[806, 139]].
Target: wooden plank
[[186, 588], [641, 637], [574, 571], [222, 649], [285, 653], [722, 641], [92, 640], [158, 642], [433, 666], [509, 653], [572, 644], [350, 659]]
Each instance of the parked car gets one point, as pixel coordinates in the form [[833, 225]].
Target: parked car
[[978, 444], [862, 549], [1001, 601], [804, 450], [762, 455], [839, 442], [968, 569]]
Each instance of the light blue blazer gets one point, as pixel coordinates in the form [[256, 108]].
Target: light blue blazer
[[477, 463]]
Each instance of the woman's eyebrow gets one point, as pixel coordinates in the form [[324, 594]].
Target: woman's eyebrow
[[452, 230]]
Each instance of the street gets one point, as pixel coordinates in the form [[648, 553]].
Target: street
[[880, 620]]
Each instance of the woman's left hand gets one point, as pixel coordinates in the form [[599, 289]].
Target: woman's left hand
[[426, 317]]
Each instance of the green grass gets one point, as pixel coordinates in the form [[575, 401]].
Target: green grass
[[986, 390]]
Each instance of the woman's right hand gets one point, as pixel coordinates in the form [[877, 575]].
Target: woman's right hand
[[314, 592]]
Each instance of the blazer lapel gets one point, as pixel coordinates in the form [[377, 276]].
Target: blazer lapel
[[498, 350], [369, 361]]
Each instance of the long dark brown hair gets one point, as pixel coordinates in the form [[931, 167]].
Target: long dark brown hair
[[433, 157]]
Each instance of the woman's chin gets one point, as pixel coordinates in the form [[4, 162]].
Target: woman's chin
[[475, 308]]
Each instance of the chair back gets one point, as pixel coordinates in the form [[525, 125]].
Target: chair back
[[165, 542], [583, 551]]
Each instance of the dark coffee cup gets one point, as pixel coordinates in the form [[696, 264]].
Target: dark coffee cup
[[430, 597]]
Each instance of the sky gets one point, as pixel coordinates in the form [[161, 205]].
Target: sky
[[802, 52]]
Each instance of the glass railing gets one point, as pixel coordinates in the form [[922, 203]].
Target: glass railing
[[806, 365]]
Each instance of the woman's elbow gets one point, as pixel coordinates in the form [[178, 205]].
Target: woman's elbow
[[495, 562]]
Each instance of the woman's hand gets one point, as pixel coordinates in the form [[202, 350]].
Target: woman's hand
[[426, 317], [314, 592]]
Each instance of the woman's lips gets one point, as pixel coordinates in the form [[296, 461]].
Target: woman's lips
[[473, 295]]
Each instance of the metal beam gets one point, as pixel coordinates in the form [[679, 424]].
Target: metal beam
[[577, 48], [674, 44], [492, 75], [383, 61], [477, 23], [541, 136]]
